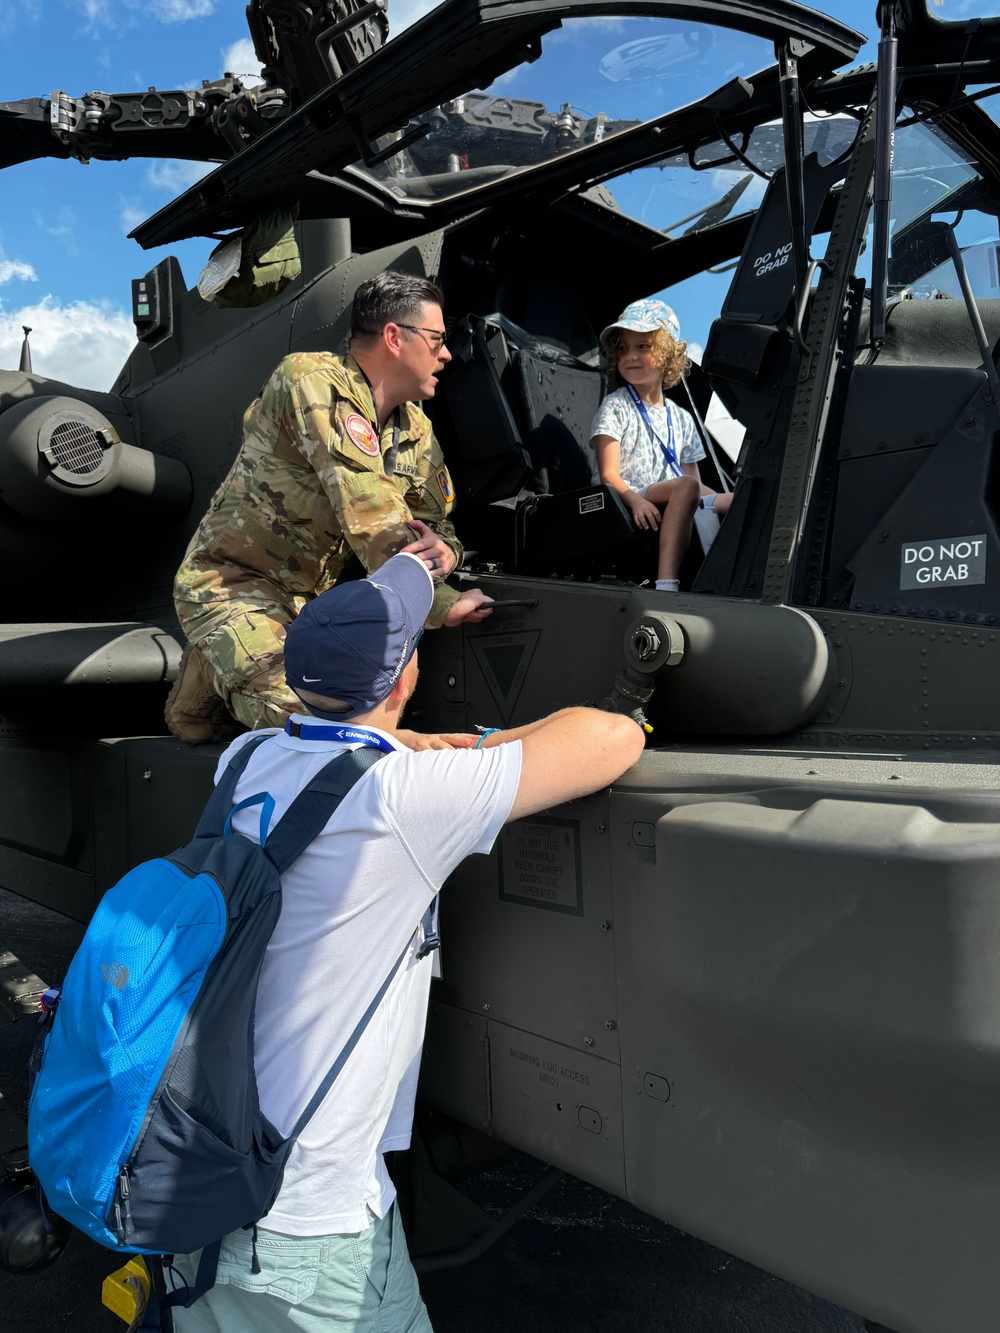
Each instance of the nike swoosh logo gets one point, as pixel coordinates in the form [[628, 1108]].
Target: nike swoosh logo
[[313, 680]]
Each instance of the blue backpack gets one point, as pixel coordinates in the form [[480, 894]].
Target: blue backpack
[[145, 1129]]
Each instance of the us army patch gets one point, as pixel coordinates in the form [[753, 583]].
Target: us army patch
[[362, 434], [444, 481]]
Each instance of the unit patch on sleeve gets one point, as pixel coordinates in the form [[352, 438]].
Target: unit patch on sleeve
[[362, 434], [444, 481]]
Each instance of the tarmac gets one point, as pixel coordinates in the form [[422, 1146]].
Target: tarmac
[[581, 1261]]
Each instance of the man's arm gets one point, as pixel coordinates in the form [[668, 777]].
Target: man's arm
[[571, 753]]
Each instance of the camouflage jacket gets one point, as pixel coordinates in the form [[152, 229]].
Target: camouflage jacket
[[310, 485]]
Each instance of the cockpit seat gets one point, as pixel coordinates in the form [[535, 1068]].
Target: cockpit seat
[[557, 400], [514, 414]]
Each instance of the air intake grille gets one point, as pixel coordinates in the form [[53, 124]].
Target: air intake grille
[[76, 447]]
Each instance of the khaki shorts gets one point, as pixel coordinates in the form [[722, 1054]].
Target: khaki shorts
[[361, 1283]]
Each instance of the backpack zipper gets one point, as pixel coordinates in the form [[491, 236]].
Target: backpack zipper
[[122, 1209]]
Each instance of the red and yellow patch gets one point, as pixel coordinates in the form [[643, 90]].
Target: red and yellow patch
[[363, 435], [444, 481]]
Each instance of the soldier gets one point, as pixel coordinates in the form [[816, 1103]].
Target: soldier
[[336, 458]]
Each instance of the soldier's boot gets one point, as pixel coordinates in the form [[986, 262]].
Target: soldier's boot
[[194, 712]]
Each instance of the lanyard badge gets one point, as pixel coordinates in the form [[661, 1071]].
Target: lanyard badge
[[668, 448]]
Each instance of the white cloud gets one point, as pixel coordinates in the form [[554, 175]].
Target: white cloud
[[404, 12], [81, 343], [176, 176], [62, 227], [12, 12], [179, 11], [96, 12], [241, 59], [16, 270], [956, 9], [577, 27], [506, 79], [102, 14], [131, 215]]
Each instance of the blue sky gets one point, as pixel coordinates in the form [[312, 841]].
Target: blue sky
[[65, 261]]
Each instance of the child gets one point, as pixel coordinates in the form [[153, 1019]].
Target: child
[[648, 447]]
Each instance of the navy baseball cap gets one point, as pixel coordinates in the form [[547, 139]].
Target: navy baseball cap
[[353, 641]]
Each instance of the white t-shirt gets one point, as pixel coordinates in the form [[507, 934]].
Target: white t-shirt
[[349, 905], [643, 462]]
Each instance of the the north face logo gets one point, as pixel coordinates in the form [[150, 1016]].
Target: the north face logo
[[115, 974]]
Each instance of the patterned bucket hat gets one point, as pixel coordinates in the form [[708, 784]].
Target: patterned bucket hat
[[645, 317]]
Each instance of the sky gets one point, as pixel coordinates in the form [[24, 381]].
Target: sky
[[65, 260]]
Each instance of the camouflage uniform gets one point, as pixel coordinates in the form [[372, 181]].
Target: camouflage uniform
[[313, 482]]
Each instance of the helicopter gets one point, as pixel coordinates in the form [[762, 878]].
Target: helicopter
[[752, 987]]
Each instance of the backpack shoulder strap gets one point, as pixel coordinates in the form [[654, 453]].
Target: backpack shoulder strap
[[220, 802], [348, 1047], [302, 822], [309, 813]]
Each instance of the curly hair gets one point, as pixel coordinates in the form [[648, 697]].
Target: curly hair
[[672, 358]]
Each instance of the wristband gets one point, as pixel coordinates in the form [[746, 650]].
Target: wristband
[[488, 732]]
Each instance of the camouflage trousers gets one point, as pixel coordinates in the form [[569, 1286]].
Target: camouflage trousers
[[235, 662]]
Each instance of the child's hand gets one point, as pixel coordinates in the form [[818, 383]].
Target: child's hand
[[645, 514]]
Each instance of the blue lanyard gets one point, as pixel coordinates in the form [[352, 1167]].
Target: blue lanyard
[[344, 735], [668, 448]]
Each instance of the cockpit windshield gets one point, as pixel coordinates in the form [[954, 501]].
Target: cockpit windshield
[[935, 181], [686, 192], [595, 77]]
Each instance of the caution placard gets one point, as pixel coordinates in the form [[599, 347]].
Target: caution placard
[[540, 864]]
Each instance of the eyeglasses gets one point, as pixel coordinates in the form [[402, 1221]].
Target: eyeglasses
[[436, 340]]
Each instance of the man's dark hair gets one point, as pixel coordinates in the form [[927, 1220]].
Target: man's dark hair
[[391, 298]]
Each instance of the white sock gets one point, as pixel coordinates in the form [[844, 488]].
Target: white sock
[[668, 585]]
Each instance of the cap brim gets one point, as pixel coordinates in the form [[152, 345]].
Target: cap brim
[[632, 328]]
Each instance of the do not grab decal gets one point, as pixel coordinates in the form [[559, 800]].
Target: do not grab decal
[[943, 562]]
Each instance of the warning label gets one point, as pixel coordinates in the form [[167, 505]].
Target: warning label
[[540, 864], [943, 562], [590, 504]]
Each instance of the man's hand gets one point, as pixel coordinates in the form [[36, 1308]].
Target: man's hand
[[472, 607], [450, 740], [433, 550]]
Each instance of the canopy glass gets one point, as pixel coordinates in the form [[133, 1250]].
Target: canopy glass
[[594, 78]]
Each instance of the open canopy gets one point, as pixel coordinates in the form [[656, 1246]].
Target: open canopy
[[412, 124]]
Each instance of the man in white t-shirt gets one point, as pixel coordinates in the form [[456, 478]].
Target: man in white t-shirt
[[331, 1253]]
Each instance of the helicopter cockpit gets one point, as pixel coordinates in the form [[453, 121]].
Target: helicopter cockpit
[[548, 165], [557, 216]]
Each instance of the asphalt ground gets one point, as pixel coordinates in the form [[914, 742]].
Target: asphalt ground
[[581, 1261]]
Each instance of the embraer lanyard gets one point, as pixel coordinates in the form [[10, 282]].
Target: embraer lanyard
[[668, 448], [343, 735]]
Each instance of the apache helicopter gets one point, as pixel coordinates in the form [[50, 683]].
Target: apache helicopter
[[751, 988]]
